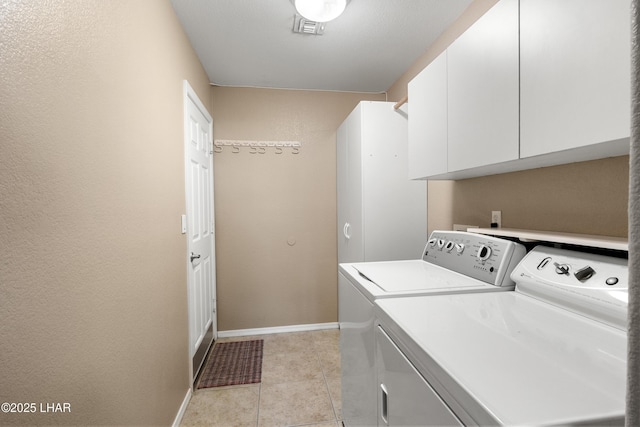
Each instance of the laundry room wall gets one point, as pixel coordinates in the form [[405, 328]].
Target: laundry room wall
[[93, 295], [276, 213], [586, 197]]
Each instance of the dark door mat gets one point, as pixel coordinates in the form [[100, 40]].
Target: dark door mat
[[233, 363]]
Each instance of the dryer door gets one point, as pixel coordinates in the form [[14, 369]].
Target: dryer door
[[404, 397]]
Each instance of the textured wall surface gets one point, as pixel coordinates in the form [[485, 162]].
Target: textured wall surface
[[587, 197], [266, 201], [93, 300]]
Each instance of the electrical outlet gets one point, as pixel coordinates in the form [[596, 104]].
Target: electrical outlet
[[496, 218]]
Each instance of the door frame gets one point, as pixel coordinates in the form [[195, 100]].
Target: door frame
[[190, 95]]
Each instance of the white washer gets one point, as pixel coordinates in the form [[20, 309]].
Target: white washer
[[553, 352], [452, 262]]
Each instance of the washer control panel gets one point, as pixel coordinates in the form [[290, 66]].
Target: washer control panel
[[589, 284], [485, 258]]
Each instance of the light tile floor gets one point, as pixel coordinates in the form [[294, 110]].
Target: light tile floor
[[300, 386]]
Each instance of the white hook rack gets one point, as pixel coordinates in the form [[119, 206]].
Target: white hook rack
[[259, 147]]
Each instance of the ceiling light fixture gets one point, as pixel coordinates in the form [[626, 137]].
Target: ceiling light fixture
[[320, 10]]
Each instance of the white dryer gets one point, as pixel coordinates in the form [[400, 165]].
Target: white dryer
[[452, 262], [553, 352]]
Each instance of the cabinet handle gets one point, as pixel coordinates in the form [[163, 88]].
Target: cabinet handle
[[347, 230], [384, 408]]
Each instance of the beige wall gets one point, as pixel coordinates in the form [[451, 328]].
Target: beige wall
[[588, 197], [266, 201], [93, 307]]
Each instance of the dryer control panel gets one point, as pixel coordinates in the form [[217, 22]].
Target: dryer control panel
[[593, 285], [485, 258]]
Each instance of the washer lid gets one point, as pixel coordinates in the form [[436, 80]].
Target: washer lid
[[414, 275], [507, 358]]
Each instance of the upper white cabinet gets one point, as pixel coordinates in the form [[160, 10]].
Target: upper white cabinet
[[428, 134], [575, 74], [483, 90], [532, 83]]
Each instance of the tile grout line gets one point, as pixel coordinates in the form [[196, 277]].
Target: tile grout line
[[260, 386], [326, 382], [259, 397]]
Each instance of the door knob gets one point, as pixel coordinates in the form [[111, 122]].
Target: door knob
[[194, 256]]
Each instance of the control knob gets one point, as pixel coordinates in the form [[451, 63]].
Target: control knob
[[484, 252], [459, 247], [562, 268], [449, 246], [584, 273]]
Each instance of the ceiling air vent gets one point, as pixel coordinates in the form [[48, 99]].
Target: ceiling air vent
[[304, 26]]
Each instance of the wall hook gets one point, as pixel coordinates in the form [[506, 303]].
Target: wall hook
[[256, 146]]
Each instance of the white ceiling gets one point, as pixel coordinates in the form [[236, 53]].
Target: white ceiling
[[251, 42]]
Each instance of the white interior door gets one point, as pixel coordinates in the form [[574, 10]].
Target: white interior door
[[200, 228]]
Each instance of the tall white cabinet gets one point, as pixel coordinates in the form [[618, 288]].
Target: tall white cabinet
[[382, 215]]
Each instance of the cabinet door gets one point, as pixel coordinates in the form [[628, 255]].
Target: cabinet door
[[342, 171], [575, 79], [354, 225], [428, 120], [483, 90], [405, 398], [349, 188], [394, 207]]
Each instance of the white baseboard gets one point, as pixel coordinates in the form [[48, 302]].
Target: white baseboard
[[183, 408], [278, 330]]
